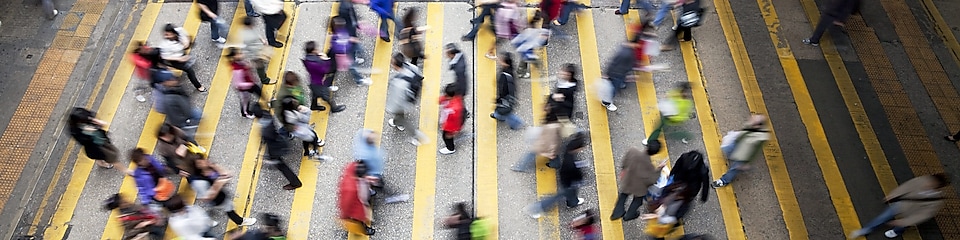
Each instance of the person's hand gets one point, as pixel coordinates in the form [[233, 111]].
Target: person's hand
[[557, 97], [184, 173], [838, 23], [99, 122]]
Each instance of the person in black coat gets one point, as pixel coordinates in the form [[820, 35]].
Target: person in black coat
[[458, 64], [88, 131], [506, 94], [691, 177], [277, 146], [570, 177], [619, 67], [179, 109], [835, 14], [560, 104]]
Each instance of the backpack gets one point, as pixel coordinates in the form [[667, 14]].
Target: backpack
[[479, 229], [416, 85], [691, 18], [729, 142]]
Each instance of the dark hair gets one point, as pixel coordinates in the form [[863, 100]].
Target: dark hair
[[270, 220], [337, 22], [165, 129], [653, 147], [398, 59], [450, 90], [310, 47], [576, 141], [537, 16], [942, 178], [461, 208], [410, 17], [572, 69], [171, 29], [232, 52], [684, 86], [507, 58], [248, 21], [291, 78], [79, 116], [137, 154], [112, 202], [360, 169], [452, 48], [175, 204]]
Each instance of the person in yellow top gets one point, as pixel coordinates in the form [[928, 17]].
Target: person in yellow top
[[675, 110]]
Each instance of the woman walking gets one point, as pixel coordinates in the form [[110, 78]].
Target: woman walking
[[506, 94], [153, 187], [243, 81], [320, 68], [173, 49], [411, 37], [507, 20], [451, 118], [636, 176], [89, 132], [342, 47], [210, 182], [296, 119]]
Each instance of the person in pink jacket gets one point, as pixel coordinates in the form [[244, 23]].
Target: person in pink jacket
[[506, 22], [244, 80]]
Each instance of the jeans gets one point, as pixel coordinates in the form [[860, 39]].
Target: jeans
[[272, 23], [249, 8], [384, 27], [618, 83], [645, 4], [214, 30], [526, 162], [569, 8], [662, 13], [887, 215], [825, 22], [486, 10], [567, 192], [191, 74], [357, 52], [732, 171], [511, 119]]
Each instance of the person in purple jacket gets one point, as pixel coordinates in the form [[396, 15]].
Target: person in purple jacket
[[148, 173], [320, 68]]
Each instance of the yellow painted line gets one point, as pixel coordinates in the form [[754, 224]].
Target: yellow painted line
[[599, 127], [487, 195], [60, 221], [424, 193], [943, 29], [711, 140], [377, 92], [839, 195], [549, 221], [878, 160], [792, 217]]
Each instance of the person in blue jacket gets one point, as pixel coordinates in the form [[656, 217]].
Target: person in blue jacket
[[384, 8]]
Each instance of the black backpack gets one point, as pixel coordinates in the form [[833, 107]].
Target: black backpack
[[416, 84]]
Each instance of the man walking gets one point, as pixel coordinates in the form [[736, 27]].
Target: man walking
[[912, 203], [835, 14], [402, 95], [273, 18], [749, 142]]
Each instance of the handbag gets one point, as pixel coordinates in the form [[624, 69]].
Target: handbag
[[164, 189], [567, 127]]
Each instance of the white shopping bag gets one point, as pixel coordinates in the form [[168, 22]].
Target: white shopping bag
[[651, 47]]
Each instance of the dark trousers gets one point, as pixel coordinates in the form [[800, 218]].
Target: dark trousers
[[191, 74], [687, 35], [825, 22], [448, 140], [288, 173], [486, 10], [234, 217], [272, 24], [567, 9], [322, 92]]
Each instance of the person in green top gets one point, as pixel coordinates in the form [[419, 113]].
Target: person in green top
[[677, 109], [291, 87]]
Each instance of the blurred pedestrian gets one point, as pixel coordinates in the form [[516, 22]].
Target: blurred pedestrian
[[665, 7], [243, 81], [506, 94], [545, 141], [142, 68], [913, 202], [487, 8], [745, 146], [344, 49], [570, 177], [527, 42], [179, 109], [569, 7], [508, 20], [458, 64], [691, 15], [273, 18], [675, 110], [89, 132], [172, 146], [153, 186], [253, 50], [560, 104], [625, 6], [291, 88], [173, 50], [384, 9], [356, 215], [366, 148], [210, 183], [451, 118], [271, 230], [586, 225], [296, 119], [277, 146], [618, 69], [402, 96], [208, 13], [189, 222], [139, 223], [321, 72], [688, 178], [637, 174], [410, 37], [460, 220], [836, 13]]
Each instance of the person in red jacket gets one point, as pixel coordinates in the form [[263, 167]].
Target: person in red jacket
[[354, 201], [243, 80], [451, 117]]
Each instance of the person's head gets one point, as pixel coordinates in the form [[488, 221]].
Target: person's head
[[360, 170], [756, 121], [141, 47], [535, 19], [450, 90], [291, 79], [505, 60], [337, 23], [653, 147], [175, 204], [289, 103], [80, 116], [139, 157], [234, 54], [170, 32], [248, 22], [684, 88], [397, 61], [452, 50], [410, 17], [943, 180], [310, 47], [166, 131], [461, 208], [568, 71]]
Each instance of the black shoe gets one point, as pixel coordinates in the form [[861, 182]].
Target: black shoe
[[631, 216], [617, 12], [617, 212], [290, 187], [385, 39], [338, 108], [268, 82], [276, 44], [465, 39], [318, 108], [491, 116], [369, 231]]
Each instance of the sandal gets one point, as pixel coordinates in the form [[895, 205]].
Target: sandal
[[950, 138]]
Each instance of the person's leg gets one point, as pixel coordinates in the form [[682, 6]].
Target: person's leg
[[244, 103], [289, 175], [618, 209], [661, 13], [314, 94], [571, 195], [732, 172], [214, 30], [261, 66], [646, 6], [234, 217], [656, 131], [526, 162], [270, 24], [822, 25], [473, 31], [624, 7], [565, 11], [888, 214], [448, 140], [384, 32], [48, 8], [192, 75], [514, 121], [633, 212], [687, 33], [249, 9]]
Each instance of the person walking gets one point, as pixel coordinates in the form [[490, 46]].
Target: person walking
[[690, 16], [402, 95], [189, 222], [353, 200], [451, 118], [173, 49], [384, 8], [291, 88], [560, 104], [746, 146], [153, 187], [527, 42], [912, 203], [637, 174], [89, 132], [248, 8], [296, 119], [210, 183], [277, 146], [953, 138], [677, 109], [618, 69], [179, 109], [460, 220], [273, 18], [172, 145], [208, 13], [349, 15], [410, 37], [253, 50], [139, 223], [458, 64], [688, 178], [665, 7], [644, 4], [507, 20], [569, 7], [570, 177], [836, 13], [366, 148], [243, 81], [320, 68], [545, 141], [506, 94], [344, 49], [487, 8]]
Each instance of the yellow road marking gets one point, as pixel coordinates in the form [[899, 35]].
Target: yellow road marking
[[599, 126], [792, 216], [711, 141], [111, 101], [839, 195], [377, 92], [424, 195], [487, 195], [549, 221], [878, 160], [946, 34]]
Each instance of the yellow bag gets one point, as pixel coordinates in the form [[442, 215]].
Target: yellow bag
[[193, 148], [658, 230]]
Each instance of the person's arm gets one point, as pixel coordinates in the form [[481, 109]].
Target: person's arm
[[206, 10]]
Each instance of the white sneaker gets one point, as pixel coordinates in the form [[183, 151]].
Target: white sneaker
[[248, 221], [141, 98], [580, 201], [684, 140], [56, 12], [891, 234], [321, 143], [214, 223], [611, 107], [360, 61], [366, 81], [334, 88], [644, 142], [525, 75], [390, 122], [533, 212], [415, 141], [446, 151], [220, 40], [857, 233]]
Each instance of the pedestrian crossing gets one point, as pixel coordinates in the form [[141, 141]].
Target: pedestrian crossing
[[802, 192]]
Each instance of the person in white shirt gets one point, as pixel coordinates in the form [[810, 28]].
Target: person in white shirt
[[273, 17], [173, 49], [189, 222]]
